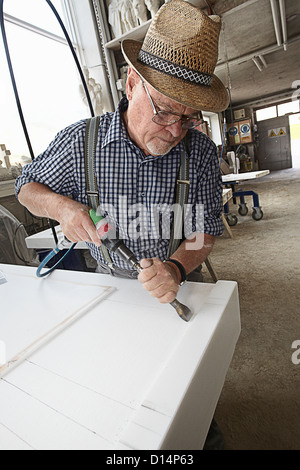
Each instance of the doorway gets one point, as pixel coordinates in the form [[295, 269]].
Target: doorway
[[294, 120], [274, 144]]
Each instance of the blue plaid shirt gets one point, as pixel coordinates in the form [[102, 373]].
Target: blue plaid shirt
[[131, 184]]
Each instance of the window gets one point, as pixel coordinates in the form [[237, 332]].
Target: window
[[288, 108], [46, 75], [278, 110], [36, 12], [266, 113]]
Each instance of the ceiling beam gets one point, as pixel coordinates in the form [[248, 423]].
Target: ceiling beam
[[258, 65], [276, 21], [283, 23], [278, 97], [251, 55], [263, 60], [238, 8]]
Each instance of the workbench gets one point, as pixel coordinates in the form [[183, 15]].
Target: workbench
[[239, 177], [128, 374]]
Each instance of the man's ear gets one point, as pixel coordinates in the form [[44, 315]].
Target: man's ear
[[132, 80]]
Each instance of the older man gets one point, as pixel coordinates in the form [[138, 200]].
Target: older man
[[139, 153]]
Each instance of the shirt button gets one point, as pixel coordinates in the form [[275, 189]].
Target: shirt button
[[142, 194]]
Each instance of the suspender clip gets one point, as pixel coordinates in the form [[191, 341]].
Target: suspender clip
[[184, 182]]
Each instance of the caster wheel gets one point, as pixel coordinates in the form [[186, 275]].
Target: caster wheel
[[257, 213], [243, 209], [231, 220]]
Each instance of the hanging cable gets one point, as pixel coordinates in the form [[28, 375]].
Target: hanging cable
[[223, 140], [228, 84], [14, 81], [51, 255], [12, 76], [211, 10]]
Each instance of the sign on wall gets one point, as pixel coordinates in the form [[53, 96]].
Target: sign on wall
[[279, 132], [240, 132], [234, 136], [245, 131]]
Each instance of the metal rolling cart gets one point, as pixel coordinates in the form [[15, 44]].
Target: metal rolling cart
[[231, 180]]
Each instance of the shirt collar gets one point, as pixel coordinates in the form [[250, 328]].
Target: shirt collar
[[117, 130]]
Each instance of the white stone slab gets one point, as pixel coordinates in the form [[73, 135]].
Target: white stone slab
[[129, 375], [250, 175], [34, 309]]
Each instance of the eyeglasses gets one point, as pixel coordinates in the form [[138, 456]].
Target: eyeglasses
[[164, 118]]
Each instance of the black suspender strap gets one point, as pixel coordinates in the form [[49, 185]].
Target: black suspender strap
[[91, 133], [182, 190], [91, 136]]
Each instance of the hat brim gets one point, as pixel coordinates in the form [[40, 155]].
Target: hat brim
[[202, 98]]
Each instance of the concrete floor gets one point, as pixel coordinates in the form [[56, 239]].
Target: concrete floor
[[259, 407]]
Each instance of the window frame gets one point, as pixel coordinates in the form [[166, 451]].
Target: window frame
[[66, 18], [276, 106]]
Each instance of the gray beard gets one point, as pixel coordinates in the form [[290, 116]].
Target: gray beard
[[160, 148]]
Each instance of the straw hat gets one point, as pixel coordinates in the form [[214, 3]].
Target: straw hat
[[179, 55]]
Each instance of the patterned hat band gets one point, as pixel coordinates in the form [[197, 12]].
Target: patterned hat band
[[177, 71]]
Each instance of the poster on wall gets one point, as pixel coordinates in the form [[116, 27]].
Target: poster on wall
[[234, 136], [240, 132], [245, 131]]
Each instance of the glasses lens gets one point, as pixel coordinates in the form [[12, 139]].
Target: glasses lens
[[165, 119], [191, 123]]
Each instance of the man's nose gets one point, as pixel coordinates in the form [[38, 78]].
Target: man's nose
[[175, 128]]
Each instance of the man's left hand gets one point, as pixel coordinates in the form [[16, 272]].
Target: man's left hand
[[160, 279]]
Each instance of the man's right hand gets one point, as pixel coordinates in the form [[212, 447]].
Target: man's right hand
[[72, 216], [76, 223]]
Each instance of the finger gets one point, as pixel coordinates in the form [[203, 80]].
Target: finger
[[70, 234], [160, 289], [167, 298], [79, 234], [83, 235], [164, 294], [148, 272], [146, 275], [146, 263], [91, 233]]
